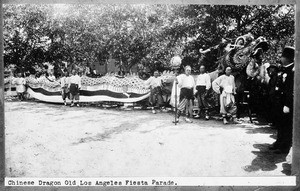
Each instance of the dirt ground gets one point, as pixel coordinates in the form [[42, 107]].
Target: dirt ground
[[50, 140]]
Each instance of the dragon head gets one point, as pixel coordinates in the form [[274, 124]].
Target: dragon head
[[240, 56]]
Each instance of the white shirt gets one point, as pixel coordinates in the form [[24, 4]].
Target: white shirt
[[75, 80], [185, 81], [154, 82], [203, 80], [64, 81], [226, 82]]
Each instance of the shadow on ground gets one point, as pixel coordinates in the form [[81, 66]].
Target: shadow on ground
[[287, 169], [265, 159], [108, 133], [265, 129]]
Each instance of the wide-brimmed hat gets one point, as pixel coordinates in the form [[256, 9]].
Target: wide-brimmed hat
[[288, 52]]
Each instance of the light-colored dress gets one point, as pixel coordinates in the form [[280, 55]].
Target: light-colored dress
[[20, 82]]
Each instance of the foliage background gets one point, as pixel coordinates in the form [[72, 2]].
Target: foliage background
[[147, 35]]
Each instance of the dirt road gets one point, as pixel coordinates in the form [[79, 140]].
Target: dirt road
[[47, 140]]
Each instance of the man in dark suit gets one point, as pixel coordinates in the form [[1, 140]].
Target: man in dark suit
[[284, 135]]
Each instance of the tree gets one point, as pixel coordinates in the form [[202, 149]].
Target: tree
[[211, 24], [148, 35], [25, 42]]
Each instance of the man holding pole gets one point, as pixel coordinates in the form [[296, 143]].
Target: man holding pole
[[186, 83]]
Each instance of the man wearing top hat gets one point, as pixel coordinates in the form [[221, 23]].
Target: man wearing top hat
[[284, 136]]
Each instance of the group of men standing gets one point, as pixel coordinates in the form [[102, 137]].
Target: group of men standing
[[186, 88]]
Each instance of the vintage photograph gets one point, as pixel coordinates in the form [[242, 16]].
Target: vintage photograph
[[148, 90]]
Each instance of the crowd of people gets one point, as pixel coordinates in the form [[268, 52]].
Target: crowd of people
[[186, 88], [70, 84]]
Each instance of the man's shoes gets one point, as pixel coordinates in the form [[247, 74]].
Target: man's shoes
[[72, 104], [163, 110], [176, 120], [188, 120], [206, 117], [65, 103], [225, 121], [234, 120], [153, 111], [77, 104], [197, 116]]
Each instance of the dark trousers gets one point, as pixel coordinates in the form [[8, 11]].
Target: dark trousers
[[276, 111], [65, 93], [74, 92], [201, 97], [284, 125], [156, 98], [21, 96], [186, 96], [286, 132]]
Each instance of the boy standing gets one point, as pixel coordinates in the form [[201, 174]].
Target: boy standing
[[20, 81], [74, 87], [64, 83]]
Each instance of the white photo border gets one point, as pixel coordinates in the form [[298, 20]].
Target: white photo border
[[296, 143]]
